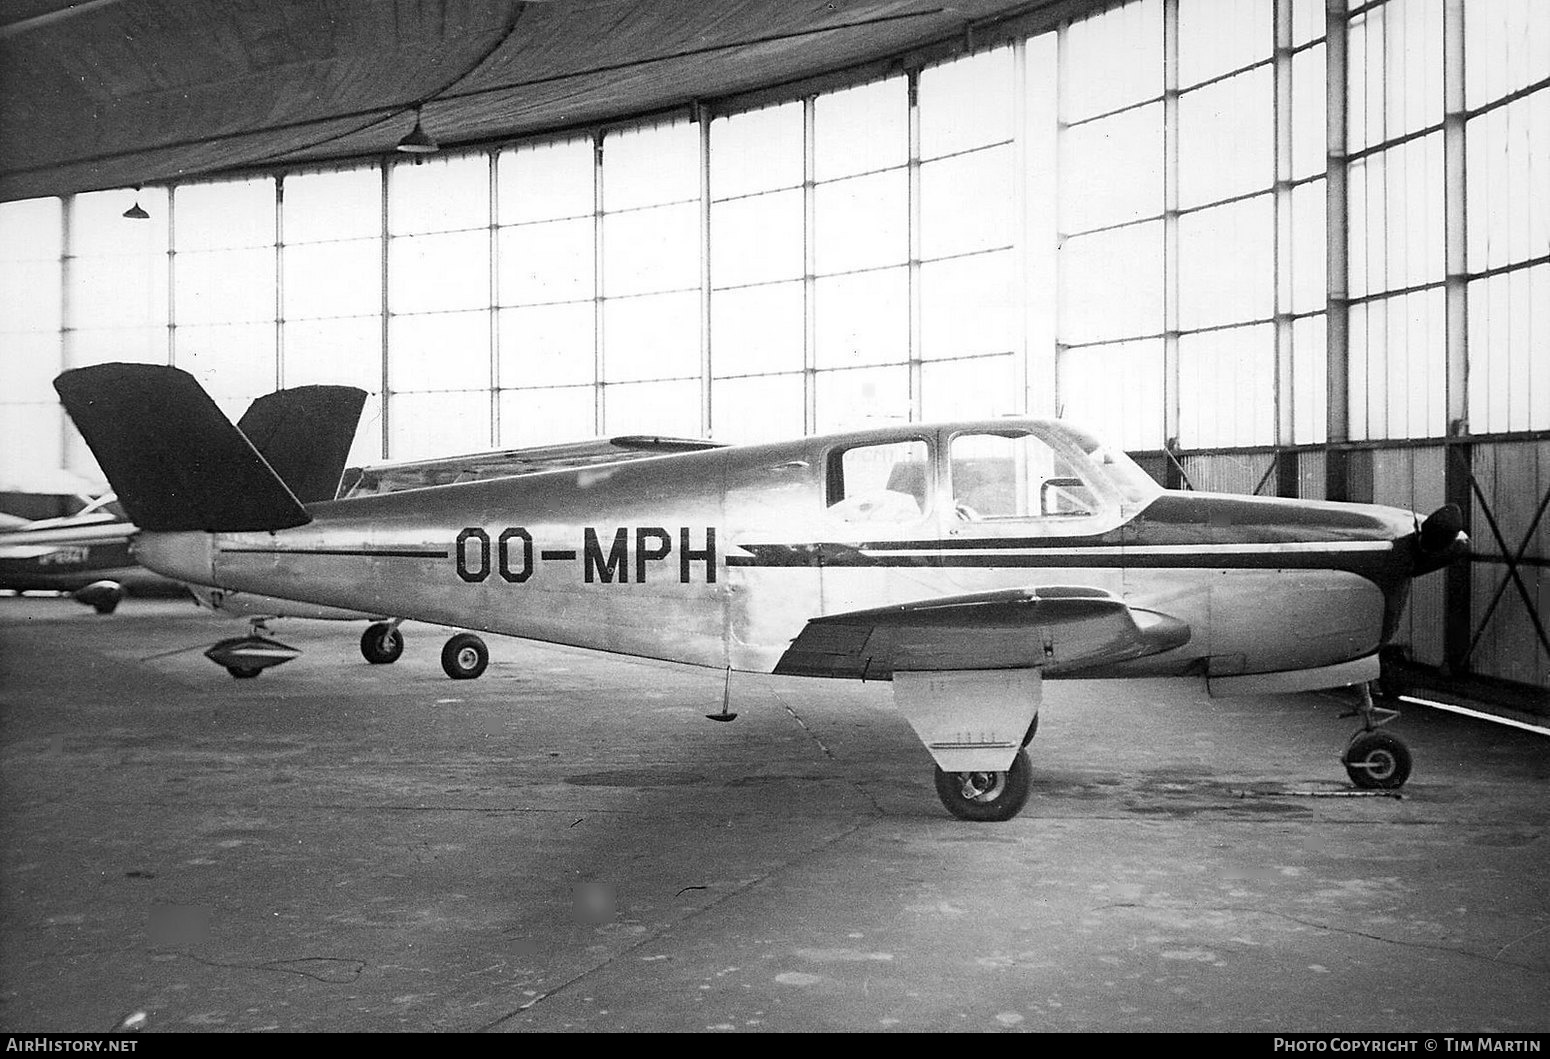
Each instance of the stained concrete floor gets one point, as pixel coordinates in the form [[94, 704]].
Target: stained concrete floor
[[566, 844]]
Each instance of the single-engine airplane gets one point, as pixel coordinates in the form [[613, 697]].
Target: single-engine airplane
[[966, 562]]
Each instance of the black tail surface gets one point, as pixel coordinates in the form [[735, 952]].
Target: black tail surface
[[175, 460], [304, 434]]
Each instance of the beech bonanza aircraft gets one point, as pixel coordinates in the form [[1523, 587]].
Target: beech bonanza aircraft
[[965, 562], [85, 554]]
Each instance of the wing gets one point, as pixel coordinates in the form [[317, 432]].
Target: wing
[[1058, 629]]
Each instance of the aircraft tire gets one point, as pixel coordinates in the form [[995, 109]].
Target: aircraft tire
[[244, 672], [464, 656], [1003, 800], [107, 606], [1377, 761], [381, 644]]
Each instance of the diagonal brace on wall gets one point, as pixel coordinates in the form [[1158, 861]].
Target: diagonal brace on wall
[[1514, 559]]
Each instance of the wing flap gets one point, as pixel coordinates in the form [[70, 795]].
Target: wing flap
[[1058, 629]]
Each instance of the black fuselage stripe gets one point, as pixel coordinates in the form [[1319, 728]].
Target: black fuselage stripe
[[393, 553]]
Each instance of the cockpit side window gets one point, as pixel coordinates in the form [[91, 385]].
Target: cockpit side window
[[879, 483], [1015, 475]]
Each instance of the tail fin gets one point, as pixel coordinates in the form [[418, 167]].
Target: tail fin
[[304, 434], [176, 462]]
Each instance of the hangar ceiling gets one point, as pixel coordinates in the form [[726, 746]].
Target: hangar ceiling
[[111, 93]]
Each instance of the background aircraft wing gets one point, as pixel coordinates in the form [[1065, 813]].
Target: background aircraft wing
[[1055, 628]]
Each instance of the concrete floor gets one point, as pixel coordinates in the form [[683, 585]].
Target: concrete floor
[[566, 843]]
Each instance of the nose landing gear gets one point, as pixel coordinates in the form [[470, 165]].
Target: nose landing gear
[[1375, 760]]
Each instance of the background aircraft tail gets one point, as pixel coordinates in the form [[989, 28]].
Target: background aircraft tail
[[305, 434], [175, 460]]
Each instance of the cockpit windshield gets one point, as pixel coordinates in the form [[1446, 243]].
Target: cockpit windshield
[[1133, 483]]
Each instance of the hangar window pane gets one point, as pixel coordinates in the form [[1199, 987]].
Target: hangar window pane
[[445, 194], [118, 292], [548, 345], [547, 181], [334, 352], [234, 362], [756, 239], [1226, 138], [30, 296], [1508, 177], [98, 227], [1394, 71], [551, 261], [760, 150], [1397, 216], [542, 417], [651, 250], [1506, 47], [670, 408], [966, 103], [31, 230], [977, 388], [1219, 36], [1227, 263], [967, 203], [227, 215], [862, 222], [862, 397], [861, 129], [1115, 390], [437, 273], [1227, 387], [1094, 268], [28, 363], [651, 166], [969, 306], [1397, 367], [1111, 170], [1308, 247], [30, 440], [1307, 20], [1310, 147], [862, 318], [343, 204], [656, 337], [439, 351], [101, 345], [1310, 375], [421, 425], [1113, 59], [1509, 334], [754, 330], [333, 279], [225, 286], [758, 408]]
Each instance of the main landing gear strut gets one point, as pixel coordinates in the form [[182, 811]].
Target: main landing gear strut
[[1375, 760]]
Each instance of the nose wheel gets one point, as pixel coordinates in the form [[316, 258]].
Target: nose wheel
[[986, 796], [382, 643], [1375, 760]]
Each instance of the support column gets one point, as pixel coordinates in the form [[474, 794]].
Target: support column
[[702, 121], [809, 280], [1281, 72], [1455, 230], [914, 244], [1171, 401], [387, 169], [1338, 228]]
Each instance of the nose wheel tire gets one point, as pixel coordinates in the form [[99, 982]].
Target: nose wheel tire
[[986, 796], [1377, 761], [464, 656], [382, 643]]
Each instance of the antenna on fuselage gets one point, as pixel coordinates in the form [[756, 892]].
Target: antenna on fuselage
[[726, 713]]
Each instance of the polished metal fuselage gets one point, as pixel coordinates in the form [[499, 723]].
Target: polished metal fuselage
[[719, 558]]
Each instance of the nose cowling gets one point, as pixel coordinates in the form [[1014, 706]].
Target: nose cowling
[[1441, 540]]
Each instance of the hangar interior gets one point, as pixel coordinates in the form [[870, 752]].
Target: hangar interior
[[1278, 247], [1281, 247]]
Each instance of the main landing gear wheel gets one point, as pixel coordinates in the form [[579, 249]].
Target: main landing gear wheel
[[1377, 761], [465, 656], [382, 643], [986, 796]]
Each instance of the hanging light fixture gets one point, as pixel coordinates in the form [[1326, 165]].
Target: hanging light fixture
[[417, 140], [137, 212]]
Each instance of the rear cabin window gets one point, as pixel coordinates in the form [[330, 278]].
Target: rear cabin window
[[879, 483], [1000, 476]]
